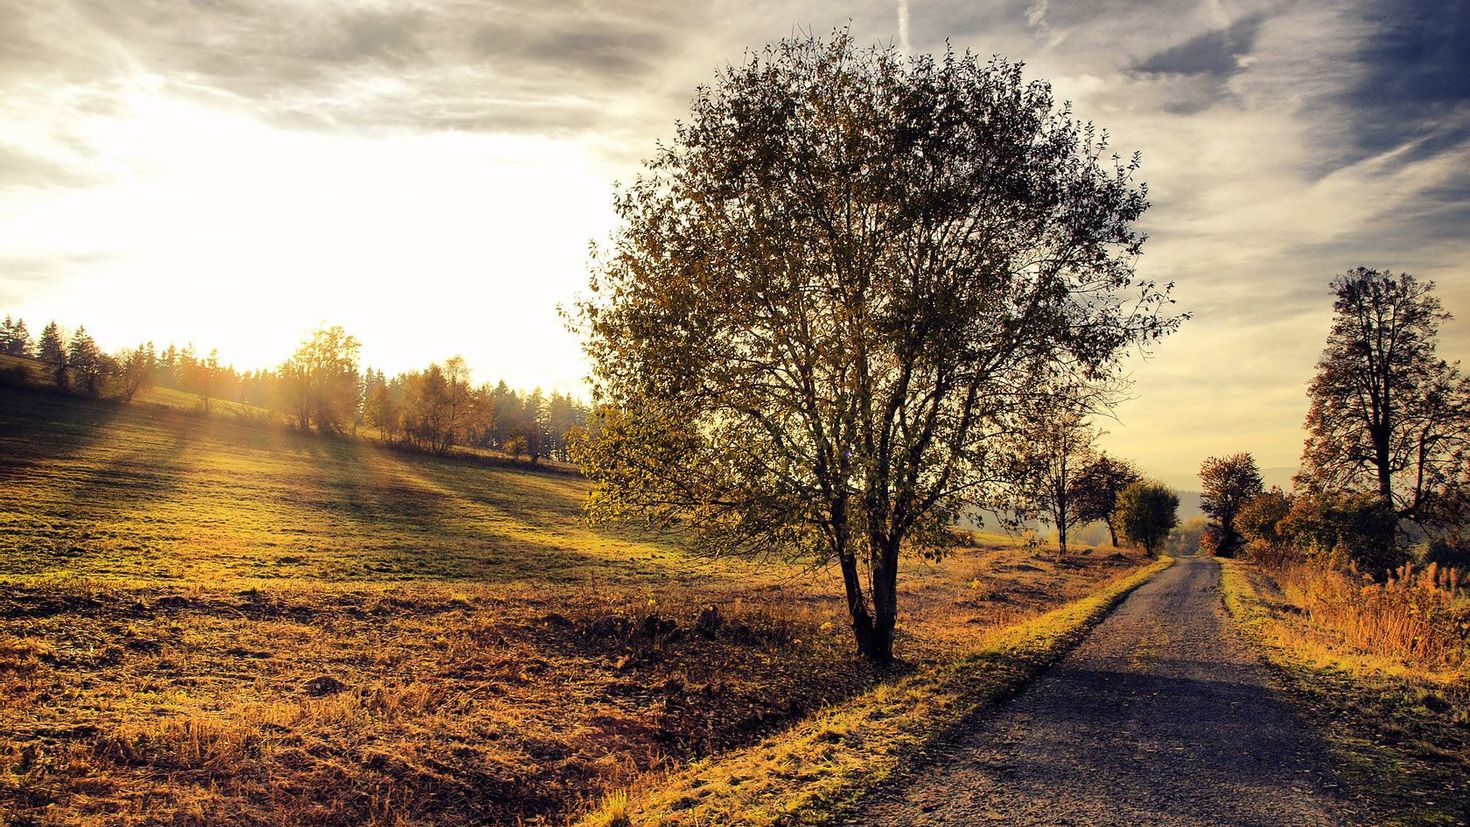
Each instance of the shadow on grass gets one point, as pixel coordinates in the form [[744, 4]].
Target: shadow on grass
[[38, 426]]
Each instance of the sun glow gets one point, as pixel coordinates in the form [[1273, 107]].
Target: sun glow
[[217, 228]]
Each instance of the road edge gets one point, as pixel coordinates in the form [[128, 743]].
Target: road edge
[[816, 770], [1329, 698]]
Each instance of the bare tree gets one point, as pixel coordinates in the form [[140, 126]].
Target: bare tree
[[828, 292], [137, 371], [1054, 444]]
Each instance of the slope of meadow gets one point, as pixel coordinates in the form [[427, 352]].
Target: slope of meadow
[[209, 619]]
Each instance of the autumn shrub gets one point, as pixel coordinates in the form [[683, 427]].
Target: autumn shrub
[[1451, 553], [1272, 555], [1344, 530], [1259, 523], [14, 376], [1209, 541], [1416, 614]]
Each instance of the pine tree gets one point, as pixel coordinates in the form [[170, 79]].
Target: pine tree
[[20, 340], [87, 361], [53, 352]]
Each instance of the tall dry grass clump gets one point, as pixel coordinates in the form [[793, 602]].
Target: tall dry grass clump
[[1417, 614]]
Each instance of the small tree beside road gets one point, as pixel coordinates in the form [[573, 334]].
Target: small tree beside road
[[1226, 485], [1147, 512]]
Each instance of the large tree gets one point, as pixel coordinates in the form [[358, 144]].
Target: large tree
[[830, 288], [439, 409], [321, 380], [1387, 414], [1226, 485]]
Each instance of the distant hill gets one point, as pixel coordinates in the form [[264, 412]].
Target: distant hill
[[1189, 505]]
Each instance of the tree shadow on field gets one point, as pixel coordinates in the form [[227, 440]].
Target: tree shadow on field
[[135, 475], [38, 427], [83, 474], [420, 520]]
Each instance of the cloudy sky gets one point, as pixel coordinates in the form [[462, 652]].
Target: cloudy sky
[[430, 172]]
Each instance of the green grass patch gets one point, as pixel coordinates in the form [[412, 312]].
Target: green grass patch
[[1401, 735], [152, 493], [813, 772]]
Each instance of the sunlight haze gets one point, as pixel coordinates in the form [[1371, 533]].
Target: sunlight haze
[[430, 176]]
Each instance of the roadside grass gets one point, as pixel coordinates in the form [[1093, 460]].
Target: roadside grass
[[823, 766], [1400, 729], [217, 620]]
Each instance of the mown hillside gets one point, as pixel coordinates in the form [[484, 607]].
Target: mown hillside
[[217, 620], [159, 493]]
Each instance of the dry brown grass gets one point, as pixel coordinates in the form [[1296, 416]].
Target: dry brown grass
[[814, 773], [1377, 669], [1418, 615], [203, 623]]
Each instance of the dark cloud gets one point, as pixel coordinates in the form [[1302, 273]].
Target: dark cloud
[[1413, 78], [606, 53], [1215, 54], [1192, 76]]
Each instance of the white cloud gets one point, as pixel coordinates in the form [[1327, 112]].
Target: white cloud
[[430, 175]]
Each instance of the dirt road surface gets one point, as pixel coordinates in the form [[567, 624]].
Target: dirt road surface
[[1161, 717]]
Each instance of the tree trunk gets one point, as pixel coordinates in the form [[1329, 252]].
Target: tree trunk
[[1385, 473], [1112, 533], [878, 647], [863, 628]]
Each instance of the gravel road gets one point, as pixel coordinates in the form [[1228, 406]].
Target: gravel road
[[1161, 716]]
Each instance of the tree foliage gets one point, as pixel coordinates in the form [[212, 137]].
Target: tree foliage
[[321, 380], [826, 296], [1096, 489], [15, 339], [1053, 445], [137, 371], [1259, 519], [1147, 511], [1387, 414], [439, 408], [1344, 528], [52, 351], [1226, 485], [89, 366]]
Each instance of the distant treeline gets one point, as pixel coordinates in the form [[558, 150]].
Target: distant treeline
[[323, 387]]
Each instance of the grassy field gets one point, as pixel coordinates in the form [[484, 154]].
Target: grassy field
[[214, 620], [1400, 728]]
